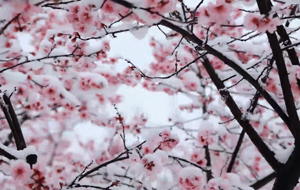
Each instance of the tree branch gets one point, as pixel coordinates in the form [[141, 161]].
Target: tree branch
[[287, 176], [235, 152], [285, 85], [240, 141], [264, 181], [7, 154], [255, 138], [190, 36], [233, 65], [15, 125]]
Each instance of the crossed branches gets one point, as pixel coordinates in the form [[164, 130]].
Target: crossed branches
[[287, 175], [291, 120]]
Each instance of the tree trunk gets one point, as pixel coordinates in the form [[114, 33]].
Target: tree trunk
[[288, 177]]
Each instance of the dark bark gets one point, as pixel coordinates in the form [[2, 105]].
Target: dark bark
[[250, 131], [287, 41], [289, 173], [14, 124], [234, 66], [7, 154], [287, 177], [264, 181], [16, 131], [236, 151], [240, 140], [285, 84]]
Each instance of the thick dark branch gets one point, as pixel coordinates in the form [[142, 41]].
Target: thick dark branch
[[264, 181], [7, 154], [124, 3], [17, 132], [14, 125], [250, 131], [59, 3], [233, 65], [288, 176], [264, 150], [10, 123], [240, 141], [285, 84], [227, 61], [9, 139], [235, 152], [287, 42], [264, 8]]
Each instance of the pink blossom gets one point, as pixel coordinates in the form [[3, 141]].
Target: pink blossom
[[20, 171], [198, 157], [260, 23], [85, 16], [191, 178], [108, 7], [169, 141], [220, 11], [116, 146], [152, 165], [205, 134]]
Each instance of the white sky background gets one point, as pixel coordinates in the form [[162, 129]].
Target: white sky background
[[156, 106]]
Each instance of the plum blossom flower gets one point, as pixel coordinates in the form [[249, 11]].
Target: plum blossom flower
[[205, 134], [190, 178], [261, 23], [198, 157], [220, 11], [169, 141], [215, 13], [20, 171], [152, 165]]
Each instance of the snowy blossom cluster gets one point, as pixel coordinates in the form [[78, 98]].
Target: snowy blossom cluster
[[56, 62]]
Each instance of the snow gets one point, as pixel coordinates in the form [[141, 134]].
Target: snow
[[245, 108], [19, 154], [139, 32], [14, 77], [52, 80], [35, 65], [173, 81], [283, 155], [135, 99], [145, 16], [290, 2]]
